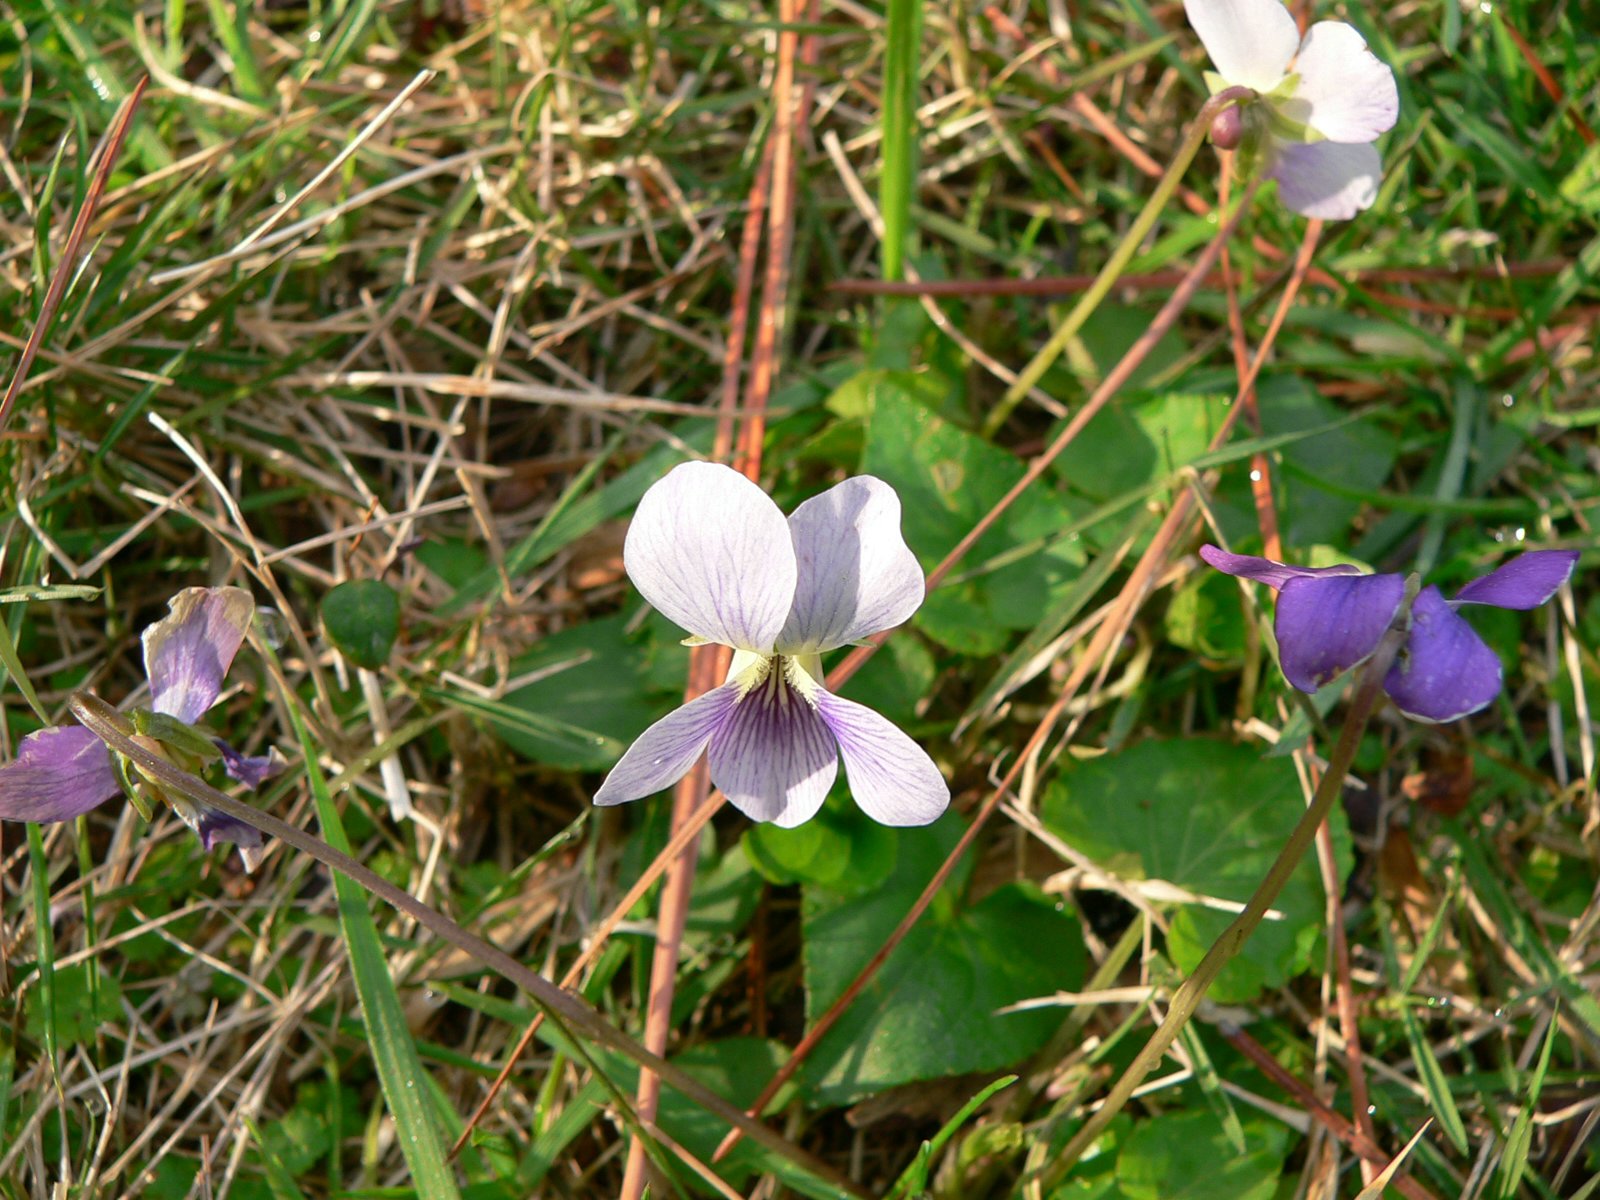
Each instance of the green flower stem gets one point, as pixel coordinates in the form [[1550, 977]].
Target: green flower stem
[[1186, 1000], [1120, 257], [563, 1007]]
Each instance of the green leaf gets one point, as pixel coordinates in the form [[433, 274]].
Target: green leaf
[[1187, 1156], [1209, 817], [839, 849], [85, 999], [948, 479], [930, 1011], [362, 618]]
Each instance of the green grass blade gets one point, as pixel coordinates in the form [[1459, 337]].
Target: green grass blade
[[1520, 1140], [901, 60], [1435, 1083]]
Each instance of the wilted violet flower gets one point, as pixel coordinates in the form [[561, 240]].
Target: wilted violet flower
[[710, 550], [1323, 101], [63, 772], [1332, 618]]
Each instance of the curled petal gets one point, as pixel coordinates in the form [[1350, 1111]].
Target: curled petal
[[212, 825], [1344, 93], [773, 758], [1265, 570], [892, 778], [250, 770], [857, 576], [1327, 179], [57, 774], [1527, 581], [1444, 671], [663, 754], [1250, 41], [1326, 626], [710, 549], [187, 653]]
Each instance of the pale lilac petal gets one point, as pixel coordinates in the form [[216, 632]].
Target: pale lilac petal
[[1326, 626], [1344, 93], [1527, 581], [773, 758], [187, 653], [57, 774], [1444, 671], [212, 826], [1327, 179], [710, 550], [1265, 570], [663, 754], [891, 777], [857, 576], [250, 770], [1250, 41]]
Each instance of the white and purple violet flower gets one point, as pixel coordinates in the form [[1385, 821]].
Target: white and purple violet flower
[[62, 772], [1332, 618], [1321, 102], [710, 550]]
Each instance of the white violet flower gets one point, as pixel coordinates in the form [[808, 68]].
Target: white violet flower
[[1322, 102], [710, 550]]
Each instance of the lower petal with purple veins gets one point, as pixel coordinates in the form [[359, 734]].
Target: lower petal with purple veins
[[56, 775], [663, 754], [1445, 670], [774, 758], [1329, 180], [891, 777], [1327, 625]]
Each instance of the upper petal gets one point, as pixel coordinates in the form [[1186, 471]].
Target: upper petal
[[1250, 41], [856, 574], [1344, 93], [1329, 180], [1527, 581], [891, 777], [663, 754], [1326, 626], [1269, 571], [187, 653], [773, 758], [1444, 671], [711, 550], [57, 774]]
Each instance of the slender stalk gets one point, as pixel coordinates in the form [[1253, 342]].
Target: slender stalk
[[111, 727], [1186, 1000], [1193, 138]]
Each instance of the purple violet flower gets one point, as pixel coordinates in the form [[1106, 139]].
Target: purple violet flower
[[1331, 619], [710, 550], [1322, 102], [62, 772]]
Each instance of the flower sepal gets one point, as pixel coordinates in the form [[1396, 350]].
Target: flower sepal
[[178, 735], [131, 787]]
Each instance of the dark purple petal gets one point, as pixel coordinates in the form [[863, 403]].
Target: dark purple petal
[[1325, 626], [1265, 570], [213, 826], [252, 771], [891, 777], [774, 758], [187, 653], [1527, 581], [56, 775], [663, 754], [1444, 670]]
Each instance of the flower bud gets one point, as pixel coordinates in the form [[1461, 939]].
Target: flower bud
[[1227, 129]]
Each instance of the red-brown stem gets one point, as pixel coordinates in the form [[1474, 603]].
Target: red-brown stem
[[1546, 80], [67, 264]]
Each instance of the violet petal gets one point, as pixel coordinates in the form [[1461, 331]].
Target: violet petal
[[1330, 180], [1527, 581], [250, 770], [663, 754], [1326, 626], [188, 652], [57, 774], [1250, 41], [857, 576], [773, 758], [1268, 571], [212, 825], [1344, 92], [891, 777], [711, 551], [1444, 670]]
